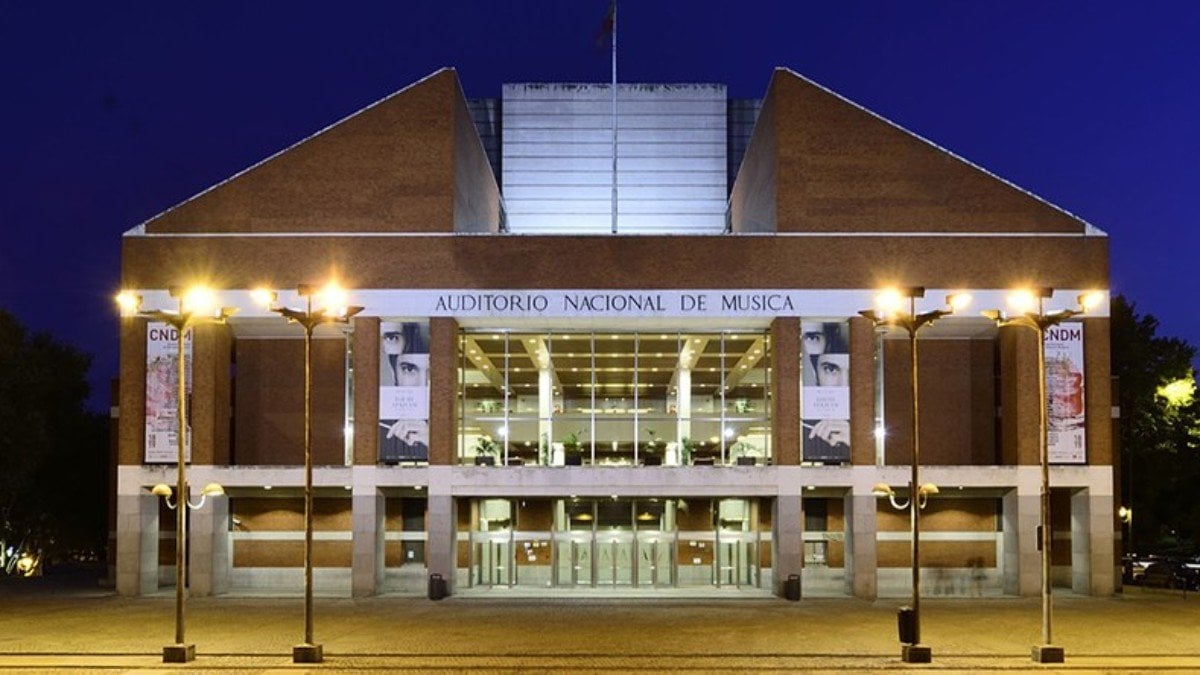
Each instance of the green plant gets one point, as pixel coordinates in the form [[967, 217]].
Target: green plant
[[485, 446], [570, 442], [742, 448], [686, 447], [544, 449]]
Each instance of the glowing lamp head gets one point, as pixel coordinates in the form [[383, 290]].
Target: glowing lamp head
[[199, 300], [889, 302], [928, 489], [128, 302], [1091, 300], [263, 296], [882, 490], [958, 301], [1023, 301], [333, 299], [161, 490]]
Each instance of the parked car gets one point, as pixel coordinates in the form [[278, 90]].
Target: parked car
[[1171, 574], [1133, 568]]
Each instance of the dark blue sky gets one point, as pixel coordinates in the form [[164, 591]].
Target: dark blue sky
[[116, 111]]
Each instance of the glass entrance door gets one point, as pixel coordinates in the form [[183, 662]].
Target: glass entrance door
[[573, 559], [614, 558], [737, 559], [655, 558], [493, 556]]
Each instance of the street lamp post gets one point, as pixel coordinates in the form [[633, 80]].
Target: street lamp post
[[1031, 308], [891, 311], [331, 308], [194, 307]]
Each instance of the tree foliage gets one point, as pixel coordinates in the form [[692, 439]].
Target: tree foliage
[[53, 451], [1159, 438]]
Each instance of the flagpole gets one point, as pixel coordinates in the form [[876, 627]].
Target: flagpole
[[614, 116]]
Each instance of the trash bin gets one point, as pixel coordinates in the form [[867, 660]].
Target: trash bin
[[791, 588], [906, 621], [437, 587]]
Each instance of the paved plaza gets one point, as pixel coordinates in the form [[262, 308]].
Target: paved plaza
[[50, 629]]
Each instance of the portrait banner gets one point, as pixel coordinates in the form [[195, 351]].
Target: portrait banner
[[1066, 441], [825, 391], [403, 391], [162, 393]]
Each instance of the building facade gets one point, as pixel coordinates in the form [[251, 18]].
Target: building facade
[[531, 401]]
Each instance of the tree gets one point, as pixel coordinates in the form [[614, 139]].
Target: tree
[[53, 451], [1159, 432]]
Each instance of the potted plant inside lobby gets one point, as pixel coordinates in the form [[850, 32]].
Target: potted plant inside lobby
[[686, 447], [744, 452], [485, 451], [572, 449]]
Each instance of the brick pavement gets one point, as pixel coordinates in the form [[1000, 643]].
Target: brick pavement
[[56, 629]]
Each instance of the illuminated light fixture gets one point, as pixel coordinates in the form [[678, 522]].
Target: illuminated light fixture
[[263, 296], [1030, 305], [194, 306], [267, 487], [1090, 300], [199, 300], [1024, 300], [897, 307], [1179, 393], [128, 302]]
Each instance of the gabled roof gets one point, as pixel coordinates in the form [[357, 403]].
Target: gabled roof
[[388, 167], [820, 163]]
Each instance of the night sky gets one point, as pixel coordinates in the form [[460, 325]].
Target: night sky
[[115, 112]]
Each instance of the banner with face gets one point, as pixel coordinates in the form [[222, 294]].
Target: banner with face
[[403, 391], [825, 391]]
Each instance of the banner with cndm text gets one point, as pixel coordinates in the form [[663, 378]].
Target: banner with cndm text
[[1066, 441], [403, 391], [162, 393]]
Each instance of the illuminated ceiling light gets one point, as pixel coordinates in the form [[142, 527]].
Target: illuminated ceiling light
[[128, 302], [1091, 300], [199, 299], [263, 296], [958, 301], [1023, 300]]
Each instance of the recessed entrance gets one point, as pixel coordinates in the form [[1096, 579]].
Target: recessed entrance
[[617, 543]]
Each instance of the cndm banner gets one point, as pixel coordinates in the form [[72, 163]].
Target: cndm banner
[[1066, 435], [162, 393]]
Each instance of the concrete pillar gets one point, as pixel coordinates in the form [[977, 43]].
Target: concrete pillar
[[1010, 558], [1028, 516], [441, 550], [210, 555], [137, 543], [861, 559], [368, 513], [787, 539], [1092, 543]]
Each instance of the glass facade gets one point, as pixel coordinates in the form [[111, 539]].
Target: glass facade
[[614, 399], [597, 542]]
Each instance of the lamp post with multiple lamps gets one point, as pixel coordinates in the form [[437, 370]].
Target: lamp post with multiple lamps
[[330, 307], [891, 310], [194, 307], [1030, 306]]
